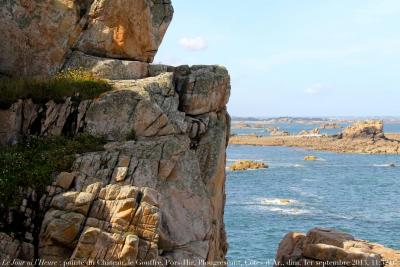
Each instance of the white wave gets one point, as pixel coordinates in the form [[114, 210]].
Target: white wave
[[289, 211], [278, 201], [384, 165], [343, 217], [286, 165], [257, 160], [298, 166]]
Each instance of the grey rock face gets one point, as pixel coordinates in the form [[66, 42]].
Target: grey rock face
[[203, 88]]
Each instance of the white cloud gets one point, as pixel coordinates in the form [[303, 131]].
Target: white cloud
[[314, 89], [193, 44]]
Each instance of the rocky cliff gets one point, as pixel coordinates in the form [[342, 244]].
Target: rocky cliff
[[155, 194], [156, 191]]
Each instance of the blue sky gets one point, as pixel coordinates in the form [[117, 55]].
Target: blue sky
[[294, 57]]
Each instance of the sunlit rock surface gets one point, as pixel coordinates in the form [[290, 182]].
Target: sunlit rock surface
[[332, 248], [39, 36]]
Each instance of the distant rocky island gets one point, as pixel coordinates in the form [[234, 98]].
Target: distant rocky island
[[360, 137], [325, 123]]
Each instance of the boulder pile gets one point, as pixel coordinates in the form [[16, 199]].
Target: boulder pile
[[330, 247]]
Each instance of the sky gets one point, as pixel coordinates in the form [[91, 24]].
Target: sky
[[294, 57]]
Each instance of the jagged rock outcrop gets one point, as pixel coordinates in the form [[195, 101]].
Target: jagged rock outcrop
[[372, 129], [156, 192], [38, 36], [315, 131], [330, 125], [275, 131], [243, 165], [332, 248]]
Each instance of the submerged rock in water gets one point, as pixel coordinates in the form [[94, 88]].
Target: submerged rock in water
[[310, 158], [243, 165], [332, 248]]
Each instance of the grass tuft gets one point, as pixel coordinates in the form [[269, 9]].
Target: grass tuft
[[77, 83], [33, 164]]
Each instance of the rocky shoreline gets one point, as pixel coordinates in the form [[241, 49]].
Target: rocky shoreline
[[358, 138], [330, 247], [361, 146]]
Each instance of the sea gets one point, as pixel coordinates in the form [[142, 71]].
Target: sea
[[355, 193]]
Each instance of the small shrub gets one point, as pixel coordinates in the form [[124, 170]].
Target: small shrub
[[78, 83], [33, 163], [131, 135]]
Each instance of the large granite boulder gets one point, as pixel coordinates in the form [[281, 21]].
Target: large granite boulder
[[202, 88], [38, 36], [364, 129], [332, 248], [125, 29]]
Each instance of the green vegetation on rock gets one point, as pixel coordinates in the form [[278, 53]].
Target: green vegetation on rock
[[34, 162], [78, 84]]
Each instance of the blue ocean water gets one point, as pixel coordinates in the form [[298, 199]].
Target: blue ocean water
[[295, 128], [359, 194]]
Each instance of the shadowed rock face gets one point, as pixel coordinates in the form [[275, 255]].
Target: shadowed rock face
[[38, 36], [334, 248], [156, 192]]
